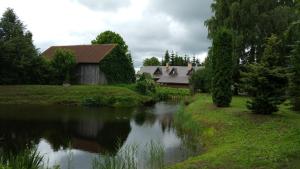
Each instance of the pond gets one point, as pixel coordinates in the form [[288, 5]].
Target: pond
[[73, 137]]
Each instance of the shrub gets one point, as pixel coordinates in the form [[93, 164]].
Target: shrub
[[146, 85], [201, 80], [63, 64], [222, 67]]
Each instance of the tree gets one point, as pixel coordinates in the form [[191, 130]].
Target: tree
[[294, 89], [266, 82], [16, 50], [222, 68], [117, 66], [63, 64], [172, 59], [251, 22], [166, 58], [151, 62]]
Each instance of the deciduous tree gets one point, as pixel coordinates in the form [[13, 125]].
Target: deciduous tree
[[117, 66]]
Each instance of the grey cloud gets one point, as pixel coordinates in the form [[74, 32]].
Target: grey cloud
[[185, 10], [106, 5]]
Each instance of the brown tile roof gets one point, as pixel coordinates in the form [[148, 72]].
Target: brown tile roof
[[84, 53]]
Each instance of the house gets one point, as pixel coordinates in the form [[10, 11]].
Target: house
[[88, 58], [173, 76]]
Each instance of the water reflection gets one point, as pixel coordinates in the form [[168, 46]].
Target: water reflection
[[62, 133]]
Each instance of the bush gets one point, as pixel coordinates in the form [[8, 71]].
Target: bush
[[63, 65], [146, 85], [201, 80]]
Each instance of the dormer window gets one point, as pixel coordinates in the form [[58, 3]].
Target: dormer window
[[158, 72], [173, 72]]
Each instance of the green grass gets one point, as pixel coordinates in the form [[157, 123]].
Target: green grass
[[74, 95], [237, 139]]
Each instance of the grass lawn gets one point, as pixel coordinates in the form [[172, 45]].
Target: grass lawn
[[235, 138], [73, 95]]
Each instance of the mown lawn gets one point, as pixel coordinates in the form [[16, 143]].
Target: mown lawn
[[234, 138], [73, 95]]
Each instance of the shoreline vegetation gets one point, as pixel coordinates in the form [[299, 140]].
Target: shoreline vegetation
[[86, 95], [236, 138]]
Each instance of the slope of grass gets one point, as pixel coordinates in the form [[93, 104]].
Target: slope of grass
[[234, 138], [74, 95]]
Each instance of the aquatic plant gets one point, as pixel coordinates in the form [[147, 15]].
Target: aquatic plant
[[128, 158], [27, 159]]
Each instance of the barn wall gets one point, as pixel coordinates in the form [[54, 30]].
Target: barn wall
[[90, 74]]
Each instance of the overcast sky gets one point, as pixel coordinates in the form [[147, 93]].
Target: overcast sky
[[149, 27]]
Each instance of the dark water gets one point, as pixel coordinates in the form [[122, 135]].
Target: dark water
[[75, 136]]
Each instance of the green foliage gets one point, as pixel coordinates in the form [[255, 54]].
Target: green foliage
[[294, 89], [251, 22], [222, 68], [63, 64], [117, 66], [28, 159], [202, 78], [146, 85], [17, 52], [151, 62], [266, 82]]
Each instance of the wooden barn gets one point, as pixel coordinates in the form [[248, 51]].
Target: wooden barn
[[88, 58]]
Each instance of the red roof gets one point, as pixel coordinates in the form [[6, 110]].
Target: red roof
[[84, 53]]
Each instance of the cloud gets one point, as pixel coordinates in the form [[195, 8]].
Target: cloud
[[150, 27], [189, 10], [106, 5]]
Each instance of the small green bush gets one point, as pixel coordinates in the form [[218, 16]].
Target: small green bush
[[201, 80], [146, 85]]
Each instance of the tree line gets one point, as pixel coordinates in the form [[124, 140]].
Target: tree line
[[172, 59], [255, 51], [22, 63]]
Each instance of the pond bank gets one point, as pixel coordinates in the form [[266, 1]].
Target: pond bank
[[235, 138], [89, 95]]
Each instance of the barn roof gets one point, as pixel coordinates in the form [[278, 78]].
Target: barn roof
[[84, 53]]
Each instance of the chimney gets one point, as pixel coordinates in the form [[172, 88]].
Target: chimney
[[190, 66], [167, 67]]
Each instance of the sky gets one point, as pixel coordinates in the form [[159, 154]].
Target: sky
[[149, 27]]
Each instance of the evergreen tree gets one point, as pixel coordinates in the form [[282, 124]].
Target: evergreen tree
[[166, 58], [16, 50], [266, 82], [194, 61], [117, 66], [222, 68], [172, 59], [295, 78]]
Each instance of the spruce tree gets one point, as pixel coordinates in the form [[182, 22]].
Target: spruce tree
[[295, 78], [166, 58], [172, 59], [222, 68], [16, 50], [266, 82]]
